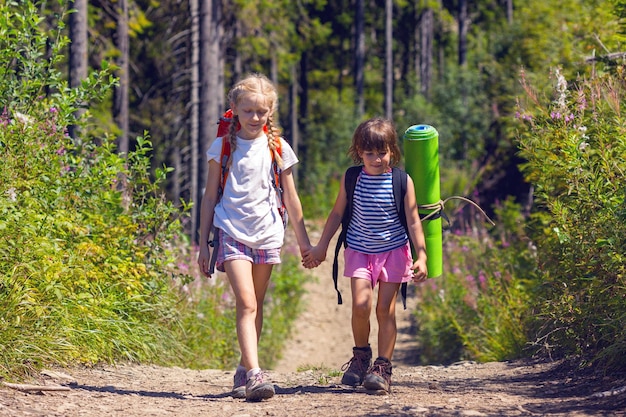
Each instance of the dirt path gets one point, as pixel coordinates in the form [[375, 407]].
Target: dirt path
[[322, 343]]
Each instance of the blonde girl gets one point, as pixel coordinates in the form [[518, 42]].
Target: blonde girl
[[249, 226]]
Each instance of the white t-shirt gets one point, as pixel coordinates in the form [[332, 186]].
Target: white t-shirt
[[248, 209]]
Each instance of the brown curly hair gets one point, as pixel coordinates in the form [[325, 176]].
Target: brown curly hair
[[375, 134]]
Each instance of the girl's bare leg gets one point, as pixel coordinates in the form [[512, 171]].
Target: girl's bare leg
[[386, 316], [249, 283], [361, 310]]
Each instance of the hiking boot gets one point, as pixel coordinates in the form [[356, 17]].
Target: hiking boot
[[239, 383], [378, 377], [257, 388], [356, 368]]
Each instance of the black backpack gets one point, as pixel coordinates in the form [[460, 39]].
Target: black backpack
[[399, 181]]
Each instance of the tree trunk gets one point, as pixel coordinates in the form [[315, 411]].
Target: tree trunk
[[441, 52], [359, 61], [509, 11], [293, 111], [389, 59], [210, 96], [274, 66], [219, 47], [303, 84], [78, 64], [303, 103], [463, 23], [426, 28], [195, 159], [237, 65], [120, 106]]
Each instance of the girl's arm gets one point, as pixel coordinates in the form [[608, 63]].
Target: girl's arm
[[207, 208], [332, 222], [416, 232], [294, 209]]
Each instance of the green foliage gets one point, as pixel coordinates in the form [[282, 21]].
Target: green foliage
[[480, 309], [418, 110], [29, 80], [209, 325], [462, 103], [574, 143], [84, 259], [328, 136], [22, 46], [92, 266], [276, 31]]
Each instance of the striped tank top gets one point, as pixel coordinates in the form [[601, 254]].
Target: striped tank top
[[375, 226]]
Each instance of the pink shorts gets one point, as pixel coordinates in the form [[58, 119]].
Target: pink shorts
[[230, 249], [393, 266]]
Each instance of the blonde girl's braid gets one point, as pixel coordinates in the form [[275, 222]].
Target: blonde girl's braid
[[273, 136], [232, 138]]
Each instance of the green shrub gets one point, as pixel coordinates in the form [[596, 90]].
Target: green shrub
[[574, 143], [209, 324], [87, 241], [479, 309], [83, 260]]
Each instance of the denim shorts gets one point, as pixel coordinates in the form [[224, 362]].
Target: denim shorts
[[392, 266], [230, 249]]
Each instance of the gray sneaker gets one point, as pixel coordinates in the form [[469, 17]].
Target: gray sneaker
[[356, 368], [239, 383], [257, 388], [378, 378]]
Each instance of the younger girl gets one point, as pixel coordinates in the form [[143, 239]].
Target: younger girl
[[249, 226], [378, 250]]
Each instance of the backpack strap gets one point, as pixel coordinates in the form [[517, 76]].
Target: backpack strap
[[223, 123], [399, 181], [351, 177], [224, 155]]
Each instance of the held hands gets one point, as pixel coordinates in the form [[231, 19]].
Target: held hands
[[311, 257]]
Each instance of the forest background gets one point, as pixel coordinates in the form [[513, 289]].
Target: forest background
[[109, 107]]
